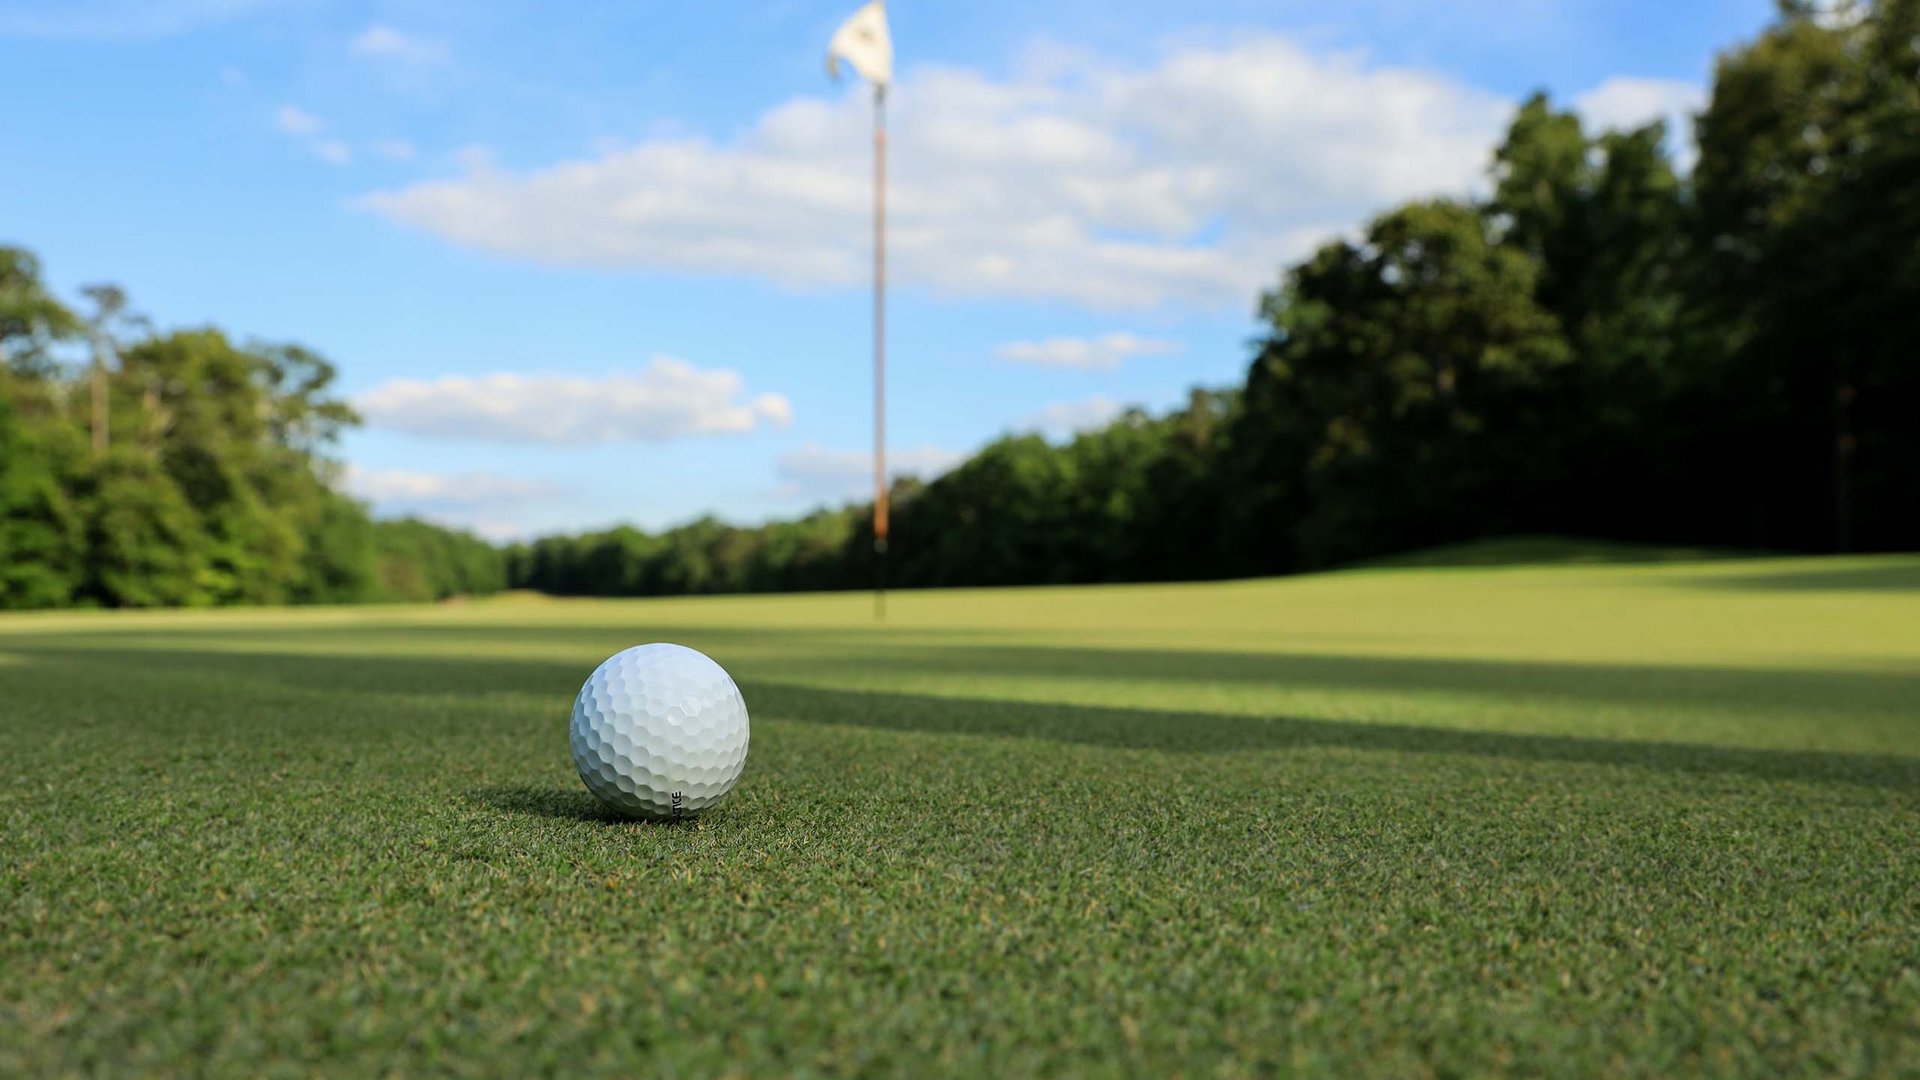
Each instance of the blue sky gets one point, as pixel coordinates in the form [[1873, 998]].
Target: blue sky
[[582, 263]]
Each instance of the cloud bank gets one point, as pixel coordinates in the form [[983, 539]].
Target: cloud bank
[[1102, 353], [1068, 417], [1078, 179], [1624, 103], [818, 472], [490, 504], [667, 399], [383, 42]]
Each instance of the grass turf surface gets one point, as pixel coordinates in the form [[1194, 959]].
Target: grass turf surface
[[1611, 820]]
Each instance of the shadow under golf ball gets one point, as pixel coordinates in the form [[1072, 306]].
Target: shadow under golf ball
[[559, 803]]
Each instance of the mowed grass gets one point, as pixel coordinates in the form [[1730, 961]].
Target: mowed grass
[[1588, 820]]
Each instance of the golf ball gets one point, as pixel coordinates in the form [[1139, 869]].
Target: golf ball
[[659, 731]]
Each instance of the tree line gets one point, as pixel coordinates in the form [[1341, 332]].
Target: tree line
[[146, 469], [1604, 345]]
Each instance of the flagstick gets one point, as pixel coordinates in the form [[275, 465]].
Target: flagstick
[[880, 351]]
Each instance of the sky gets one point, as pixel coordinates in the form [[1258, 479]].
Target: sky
[[582, 263]]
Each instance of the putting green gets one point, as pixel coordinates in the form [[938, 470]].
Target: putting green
[[1593, 819]]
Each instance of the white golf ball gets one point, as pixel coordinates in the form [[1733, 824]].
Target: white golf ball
[[659, 731]]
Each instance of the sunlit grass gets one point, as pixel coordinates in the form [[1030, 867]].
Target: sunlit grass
[[1613, 819]]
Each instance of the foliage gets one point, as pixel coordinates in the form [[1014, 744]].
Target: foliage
[[211, 489], [42, 557], [421, 561], [1807, 241], [1403, 382]]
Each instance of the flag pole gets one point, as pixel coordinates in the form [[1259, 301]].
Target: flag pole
[[880, 351]]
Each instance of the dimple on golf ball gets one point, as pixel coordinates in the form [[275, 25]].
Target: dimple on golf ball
[[659, 731]]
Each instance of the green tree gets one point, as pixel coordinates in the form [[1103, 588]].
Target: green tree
[[1393, 404], [1183, 528], [145, 545], [1602, 219], [32, 321], [341, 563], [42, 549], [1807, 275]]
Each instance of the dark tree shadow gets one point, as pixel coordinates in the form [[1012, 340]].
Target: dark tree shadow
[[1893, 577], [1754, 689], [771, 697], [1140, 729], [1543, 550], [1760, 691]]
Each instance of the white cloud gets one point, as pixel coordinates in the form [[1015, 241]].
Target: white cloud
[[667, 399], [1841, 14], [117, 20], [487, 503], [294, 120], [1067, 417], [386, 43], [819, 472], [394, 149], [305, 126], [427, 489], [1102, 353], [1187, 180], [1624, 103]]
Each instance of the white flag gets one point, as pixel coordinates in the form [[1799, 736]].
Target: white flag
[[864, 43]]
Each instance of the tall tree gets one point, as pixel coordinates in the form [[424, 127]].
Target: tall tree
[[105, 327], [1395, 402], [145, 544], [32, 321], [1807, 277], [1602, 219], [42, 550]]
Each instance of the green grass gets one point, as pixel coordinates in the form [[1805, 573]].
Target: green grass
[[1612, 820], [1545, 551]]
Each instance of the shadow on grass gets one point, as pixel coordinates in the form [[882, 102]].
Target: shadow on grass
[[537, 800], [606, 637], [386, 687], [559, 804], [1885, 695], [1892, 577], [1141, 729], [1658, 686], [1542, 551]]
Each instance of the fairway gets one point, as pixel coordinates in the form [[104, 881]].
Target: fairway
[[1606, 820]]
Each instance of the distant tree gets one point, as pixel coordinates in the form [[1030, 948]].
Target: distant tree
[[1183, 528], [1394, 402], [1808, 273], [340, 564], [42, 550], [1602, 220], [214, 488], [110, 322], [145, 544], [993, 520], [32, 321], [421, 561]]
